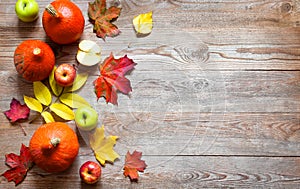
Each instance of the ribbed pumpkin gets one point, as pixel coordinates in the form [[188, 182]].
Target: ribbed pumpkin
[[34, 60], [63, 22], [54, 146]]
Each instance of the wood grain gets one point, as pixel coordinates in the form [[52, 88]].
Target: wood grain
[[215, 100], [182, 172]]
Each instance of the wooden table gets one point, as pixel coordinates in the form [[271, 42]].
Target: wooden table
[[215, 100]]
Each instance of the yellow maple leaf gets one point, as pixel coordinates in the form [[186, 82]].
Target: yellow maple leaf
[[143, 23], [103, 146]]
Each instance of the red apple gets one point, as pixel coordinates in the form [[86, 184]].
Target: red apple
[[65, 75], [90, 172]]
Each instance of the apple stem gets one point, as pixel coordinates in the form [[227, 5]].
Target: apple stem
[[51, 10]]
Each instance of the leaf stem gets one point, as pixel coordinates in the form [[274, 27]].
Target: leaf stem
[[23, 129], [47, 107]]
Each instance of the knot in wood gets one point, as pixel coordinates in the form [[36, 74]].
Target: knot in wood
[[286, 7]]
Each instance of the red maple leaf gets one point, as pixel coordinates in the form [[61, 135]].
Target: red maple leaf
[[19, 165], [133, 164], [17, 111], [102, 17], [112, 78]]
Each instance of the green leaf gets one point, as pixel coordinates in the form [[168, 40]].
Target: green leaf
[[56, 89], [47, 117], [73, 100], [62, 111], [33, 104], [42, 93], [78, 83]]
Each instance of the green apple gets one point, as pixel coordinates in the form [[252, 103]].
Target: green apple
[[86, 118], [27, 10]]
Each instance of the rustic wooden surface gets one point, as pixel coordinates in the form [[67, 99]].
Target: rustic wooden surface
[[215, 101]]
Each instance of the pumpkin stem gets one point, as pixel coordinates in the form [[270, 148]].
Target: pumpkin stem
[[51, 10], [49, 147], [36, 51], [55, 141]]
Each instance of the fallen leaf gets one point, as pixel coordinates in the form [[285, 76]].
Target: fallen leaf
[[56, 89], [62, 111], [17, 111], [73, 100], [102, 17], [19, 165], [103, 146], [47, 117], [79, 81], [112, 78], [33, 104], [42, 93], [143, 23], [133, 164]]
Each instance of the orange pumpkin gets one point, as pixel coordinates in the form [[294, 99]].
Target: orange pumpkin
[[63, 22], [34, 60], [54, 147]]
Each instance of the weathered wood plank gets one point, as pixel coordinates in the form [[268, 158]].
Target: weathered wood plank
[[179, 172], [227, 47], [189, 90], [179, 133], [251, 50], [215, 101]]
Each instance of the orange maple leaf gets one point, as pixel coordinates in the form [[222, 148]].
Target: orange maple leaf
[[133, 164]]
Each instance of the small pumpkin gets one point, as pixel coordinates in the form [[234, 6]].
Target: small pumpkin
[[34, 60], [54, 146], [63, 22]]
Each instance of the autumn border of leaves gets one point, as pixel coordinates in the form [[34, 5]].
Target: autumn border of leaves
[[66, 100]]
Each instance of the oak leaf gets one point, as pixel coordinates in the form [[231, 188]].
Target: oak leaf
[[133, 164], [102, 17], [19, 165], [112, 78], [103, 146], [17, 111]]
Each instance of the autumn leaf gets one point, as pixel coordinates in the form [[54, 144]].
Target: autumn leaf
[[80, 80], [112, 78], [143, 23], [102, 17], [33, 104], [47, 117], [62, 111], [17, 111], [133, 164], [19, 165], [73, 100], [103, 146], [56, 89], [42, 93]]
